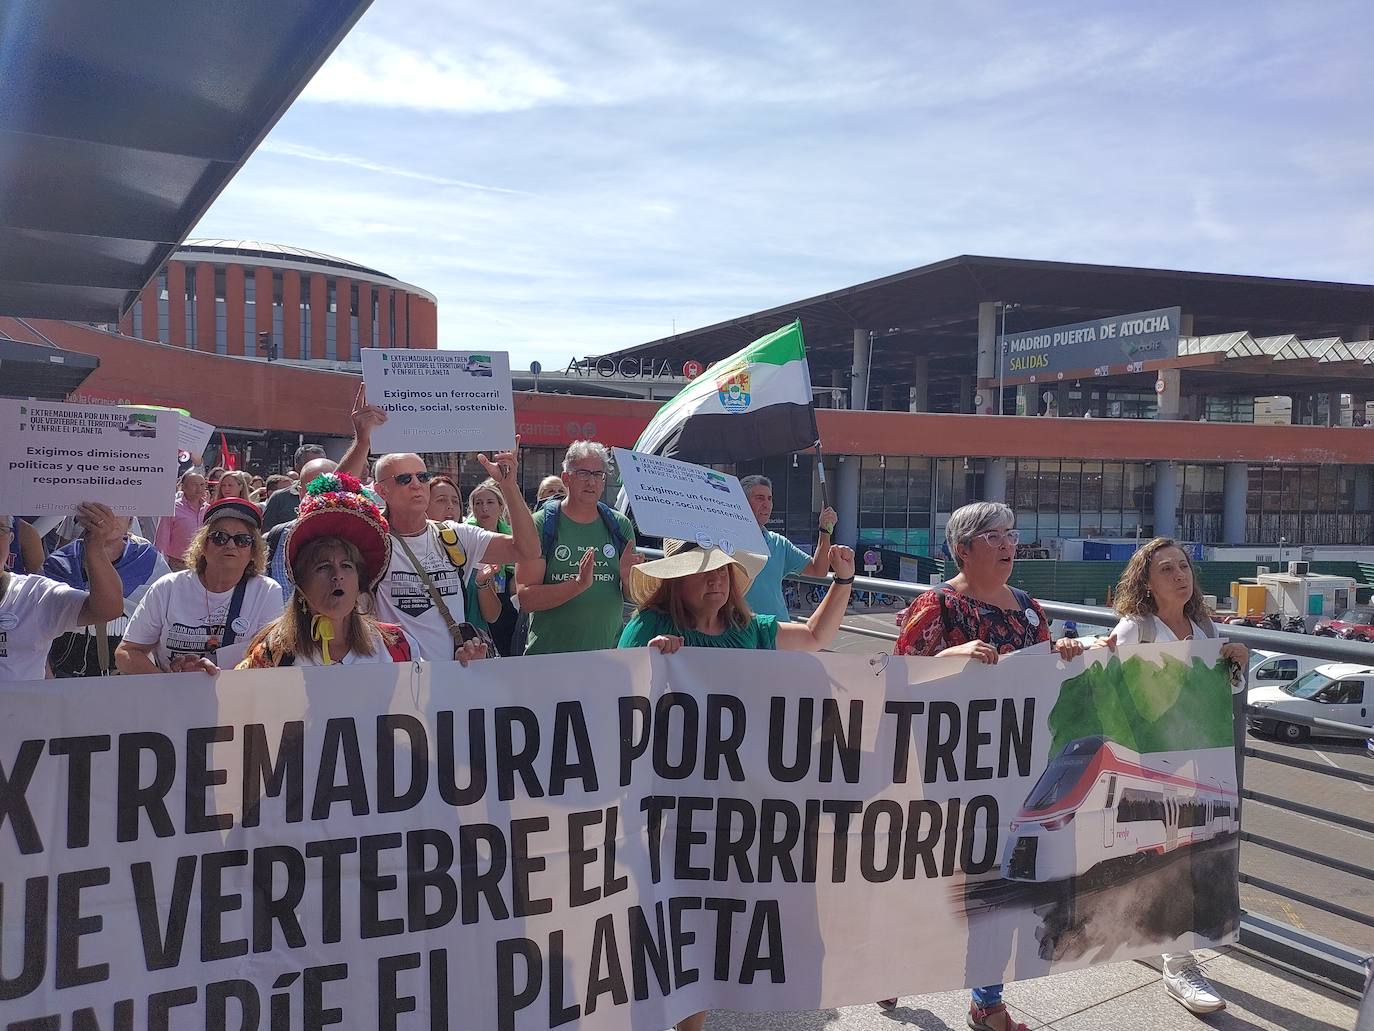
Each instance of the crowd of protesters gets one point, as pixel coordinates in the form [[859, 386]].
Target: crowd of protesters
[[363, 562]]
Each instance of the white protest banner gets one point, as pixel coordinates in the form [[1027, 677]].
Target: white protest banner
[[440, 400], [610, 840], [55, 455], [688, 503]]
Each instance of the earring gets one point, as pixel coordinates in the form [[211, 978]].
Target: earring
[[363, 606], [301, 604]]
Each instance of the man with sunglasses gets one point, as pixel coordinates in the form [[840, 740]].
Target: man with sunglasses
[[424, 586]]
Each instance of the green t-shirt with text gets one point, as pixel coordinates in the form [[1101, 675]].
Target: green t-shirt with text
[[592, 620]]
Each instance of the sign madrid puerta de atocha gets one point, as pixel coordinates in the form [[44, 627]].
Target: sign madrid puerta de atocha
[[1117, 343]]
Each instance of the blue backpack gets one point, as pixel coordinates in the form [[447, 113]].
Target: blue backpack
[[553, 512]]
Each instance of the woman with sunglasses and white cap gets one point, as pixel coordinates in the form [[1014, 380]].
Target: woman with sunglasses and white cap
[[337, 550], [221, 598], [978, 614]]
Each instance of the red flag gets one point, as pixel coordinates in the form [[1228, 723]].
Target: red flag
[[227, 458]]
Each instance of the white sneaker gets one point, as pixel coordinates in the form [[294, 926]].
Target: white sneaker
[[1193, 991]]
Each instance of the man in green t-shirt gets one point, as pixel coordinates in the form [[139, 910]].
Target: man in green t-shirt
[[574, 598]]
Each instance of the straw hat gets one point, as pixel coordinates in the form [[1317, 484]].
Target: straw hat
[[683, 558]]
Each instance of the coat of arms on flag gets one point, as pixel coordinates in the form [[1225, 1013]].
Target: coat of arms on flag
[[734, 391]]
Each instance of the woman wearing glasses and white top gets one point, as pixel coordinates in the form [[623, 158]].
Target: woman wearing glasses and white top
[[1160, 601], [221, 598], [978, 614]]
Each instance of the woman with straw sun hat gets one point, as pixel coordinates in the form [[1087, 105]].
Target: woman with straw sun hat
[[695, 597]]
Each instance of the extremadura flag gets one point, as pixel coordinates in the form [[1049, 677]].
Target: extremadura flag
[[754, 404]]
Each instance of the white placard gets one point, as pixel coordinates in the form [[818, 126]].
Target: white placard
[[55, 455], [440, 400], [689, 503], [193, 436]]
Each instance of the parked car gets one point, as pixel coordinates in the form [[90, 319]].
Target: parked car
[[1340, 691], [1359, 621], [1268, 669]]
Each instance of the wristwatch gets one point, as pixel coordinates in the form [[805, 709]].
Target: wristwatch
[[829, 531]]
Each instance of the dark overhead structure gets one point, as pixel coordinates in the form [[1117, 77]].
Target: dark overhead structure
[[42, 371], [932, 312], [121, 122]]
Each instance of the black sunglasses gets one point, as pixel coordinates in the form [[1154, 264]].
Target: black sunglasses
[[241, 540], [404, 478]]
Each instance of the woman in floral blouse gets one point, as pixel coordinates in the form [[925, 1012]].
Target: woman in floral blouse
[[978, 614]]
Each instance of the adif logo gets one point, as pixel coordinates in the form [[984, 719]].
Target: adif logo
[[563, 553], [733, 391]]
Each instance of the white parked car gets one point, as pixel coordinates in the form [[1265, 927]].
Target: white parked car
[[1269, 669], [1340, 691]]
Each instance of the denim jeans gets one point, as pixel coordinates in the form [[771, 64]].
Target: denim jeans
[[989, 996]]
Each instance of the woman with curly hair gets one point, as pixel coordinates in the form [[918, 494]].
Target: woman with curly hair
[[336, 552], [220, 598], [1159, 601]]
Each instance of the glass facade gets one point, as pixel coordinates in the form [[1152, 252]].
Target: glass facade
[[331, 320], [1072, 498], [250, 315], [1305, 504], [221, 315], [191, 307]]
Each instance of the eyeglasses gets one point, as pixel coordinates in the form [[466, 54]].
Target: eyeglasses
[[241, 540], [589, 474], [996, 538], [404, 478]]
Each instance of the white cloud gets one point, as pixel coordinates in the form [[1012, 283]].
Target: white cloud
[[378, 72]]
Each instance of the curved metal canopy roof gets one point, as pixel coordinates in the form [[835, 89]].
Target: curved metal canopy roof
[[121, 122]]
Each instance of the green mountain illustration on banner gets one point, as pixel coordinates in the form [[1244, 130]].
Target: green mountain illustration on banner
[[1146, 707]]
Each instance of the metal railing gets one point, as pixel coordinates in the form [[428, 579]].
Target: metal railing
[[1306, 952]]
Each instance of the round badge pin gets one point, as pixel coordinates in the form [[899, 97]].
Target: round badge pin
[[8, 621], [704, 541], [1032, 617], [726, 546], [240, 625], [608, 550]]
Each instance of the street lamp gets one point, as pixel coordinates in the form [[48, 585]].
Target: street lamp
[[1002, 356]]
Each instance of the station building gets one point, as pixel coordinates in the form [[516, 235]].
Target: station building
[[916, 417]]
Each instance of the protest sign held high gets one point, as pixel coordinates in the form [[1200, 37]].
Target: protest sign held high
[[440, 400], [688, 503], [613, 839], [56, 455]]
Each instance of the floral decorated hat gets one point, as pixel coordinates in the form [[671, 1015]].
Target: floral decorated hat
[[335, 506]]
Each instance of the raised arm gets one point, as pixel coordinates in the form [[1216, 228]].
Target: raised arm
[[819, 631], [820, 561]]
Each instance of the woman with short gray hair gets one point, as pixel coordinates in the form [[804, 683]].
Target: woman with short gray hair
[[979, 615]]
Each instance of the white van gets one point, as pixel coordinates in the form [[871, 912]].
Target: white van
[[1340, 691], [1274, 669]]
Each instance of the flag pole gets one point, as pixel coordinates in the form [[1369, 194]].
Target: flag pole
[[820, 472]]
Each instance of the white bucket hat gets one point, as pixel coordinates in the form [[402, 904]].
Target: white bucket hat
[[683, 558]]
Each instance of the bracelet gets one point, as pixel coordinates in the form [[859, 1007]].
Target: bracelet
[[847, 580], [829, 531]]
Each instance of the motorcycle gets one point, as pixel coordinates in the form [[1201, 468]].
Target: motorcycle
[[1323, 630], [1295, 625]]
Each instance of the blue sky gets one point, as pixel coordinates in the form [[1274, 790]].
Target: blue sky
[[570, 179]]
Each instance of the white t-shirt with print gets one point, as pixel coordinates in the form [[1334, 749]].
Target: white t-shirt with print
[[402, 597], [33, 612], [181, 617]]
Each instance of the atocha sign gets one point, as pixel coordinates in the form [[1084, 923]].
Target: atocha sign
[[1125, 342], [633, 368]]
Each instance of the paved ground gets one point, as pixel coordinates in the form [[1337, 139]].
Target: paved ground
[[1326, 792], [1126, 996]]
